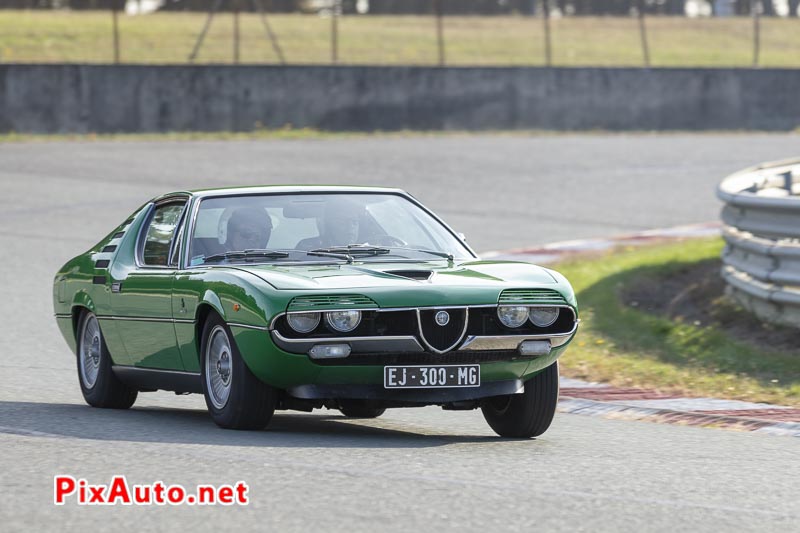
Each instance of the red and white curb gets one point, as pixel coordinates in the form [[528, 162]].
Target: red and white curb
[[550, 253], [597, 399]]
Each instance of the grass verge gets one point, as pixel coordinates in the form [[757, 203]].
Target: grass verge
[[86, 36], [625, 346]]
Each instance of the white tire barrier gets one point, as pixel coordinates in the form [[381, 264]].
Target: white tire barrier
[[762, 236]]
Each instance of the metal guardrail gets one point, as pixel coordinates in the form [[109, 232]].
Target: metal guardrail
[[762, 236]]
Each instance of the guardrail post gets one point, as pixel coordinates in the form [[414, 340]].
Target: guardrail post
[[788, 181]]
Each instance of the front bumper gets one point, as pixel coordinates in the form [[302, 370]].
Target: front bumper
[[410, 396], [285, 370]]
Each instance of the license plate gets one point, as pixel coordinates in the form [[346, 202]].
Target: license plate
[[431, 377]]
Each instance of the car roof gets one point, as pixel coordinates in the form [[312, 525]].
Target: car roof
[[272, 189]]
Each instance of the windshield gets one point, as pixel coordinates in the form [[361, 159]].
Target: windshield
[[318, 227]]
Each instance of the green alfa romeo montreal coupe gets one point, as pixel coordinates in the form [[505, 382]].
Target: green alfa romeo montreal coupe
[[350, 298]]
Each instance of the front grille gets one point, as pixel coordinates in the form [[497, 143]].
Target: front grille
[[531, 296], [464, 357], [336, 301], [444, 337]]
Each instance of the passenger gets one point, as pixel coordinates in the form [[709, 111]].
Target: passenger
[[339, 225], [249, 228]]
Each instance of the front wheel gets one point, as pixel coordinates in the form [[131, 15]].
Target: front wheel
[[528, 414], [99, 386], [235, 398]]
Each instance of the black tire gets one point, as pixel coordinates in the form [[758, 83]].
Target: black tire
[[106, 391], [525, 415], [359, 409], [250, 402]]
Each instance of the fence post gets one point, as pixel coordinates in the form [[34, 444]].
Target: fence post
[[335, 31], [200, 38], [548, 51], [116, 34], [643, 35], [235, 32], [272, 37], [756, 31], [437, 6]]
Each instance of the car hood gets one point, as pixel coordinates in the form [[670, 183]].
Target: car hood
[[499, 274]]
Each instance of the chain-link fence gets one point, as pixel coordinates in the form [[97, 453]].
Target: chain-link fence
[[719, 33]]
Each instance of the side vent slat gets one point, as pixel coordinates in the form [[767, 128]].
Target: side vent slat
[[109, 248], [102, 263], [531, 296]]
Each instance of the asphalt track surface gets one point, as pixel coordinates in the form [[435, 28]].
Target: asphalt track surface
[[412, 469]]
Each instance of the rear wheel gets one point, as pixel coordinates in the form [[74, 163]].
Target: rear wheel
[[235, 398], [99, 386], [359, 409], [528, 414]]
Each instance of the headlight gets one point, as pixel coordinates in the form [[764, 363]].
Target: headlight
[[303, 322], [543, 316], [343, 321], [512, 316]]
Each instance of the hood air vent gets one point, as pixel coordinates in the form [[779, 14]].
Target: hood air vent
[[331, 301], [531, 296], [419, 275]]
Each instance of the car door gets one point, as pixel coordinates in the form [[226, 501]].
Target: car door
[[141, 298]]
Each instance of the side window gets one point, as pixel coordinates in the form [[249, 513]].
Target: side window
[[176, 248], [160, 233]]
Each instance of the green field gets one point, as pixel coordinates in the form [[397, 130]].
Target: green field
[[38, 36], [628, 347]]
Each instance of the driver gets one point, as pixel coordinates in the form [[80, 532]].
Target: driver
[[249, 228], [340, 225]]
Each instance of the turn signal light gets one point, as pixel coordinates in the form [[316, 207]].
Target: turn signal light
[[329, 351], [535, 348]]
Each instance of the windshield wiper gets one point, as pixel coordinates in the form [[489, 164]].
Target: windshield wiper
[[354, 249], [444, 255], [245, 254], [347, 252], [323, 252]]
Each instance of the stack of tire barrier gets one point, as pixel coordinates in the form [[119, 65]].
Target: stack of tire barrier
[[762, 234]]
